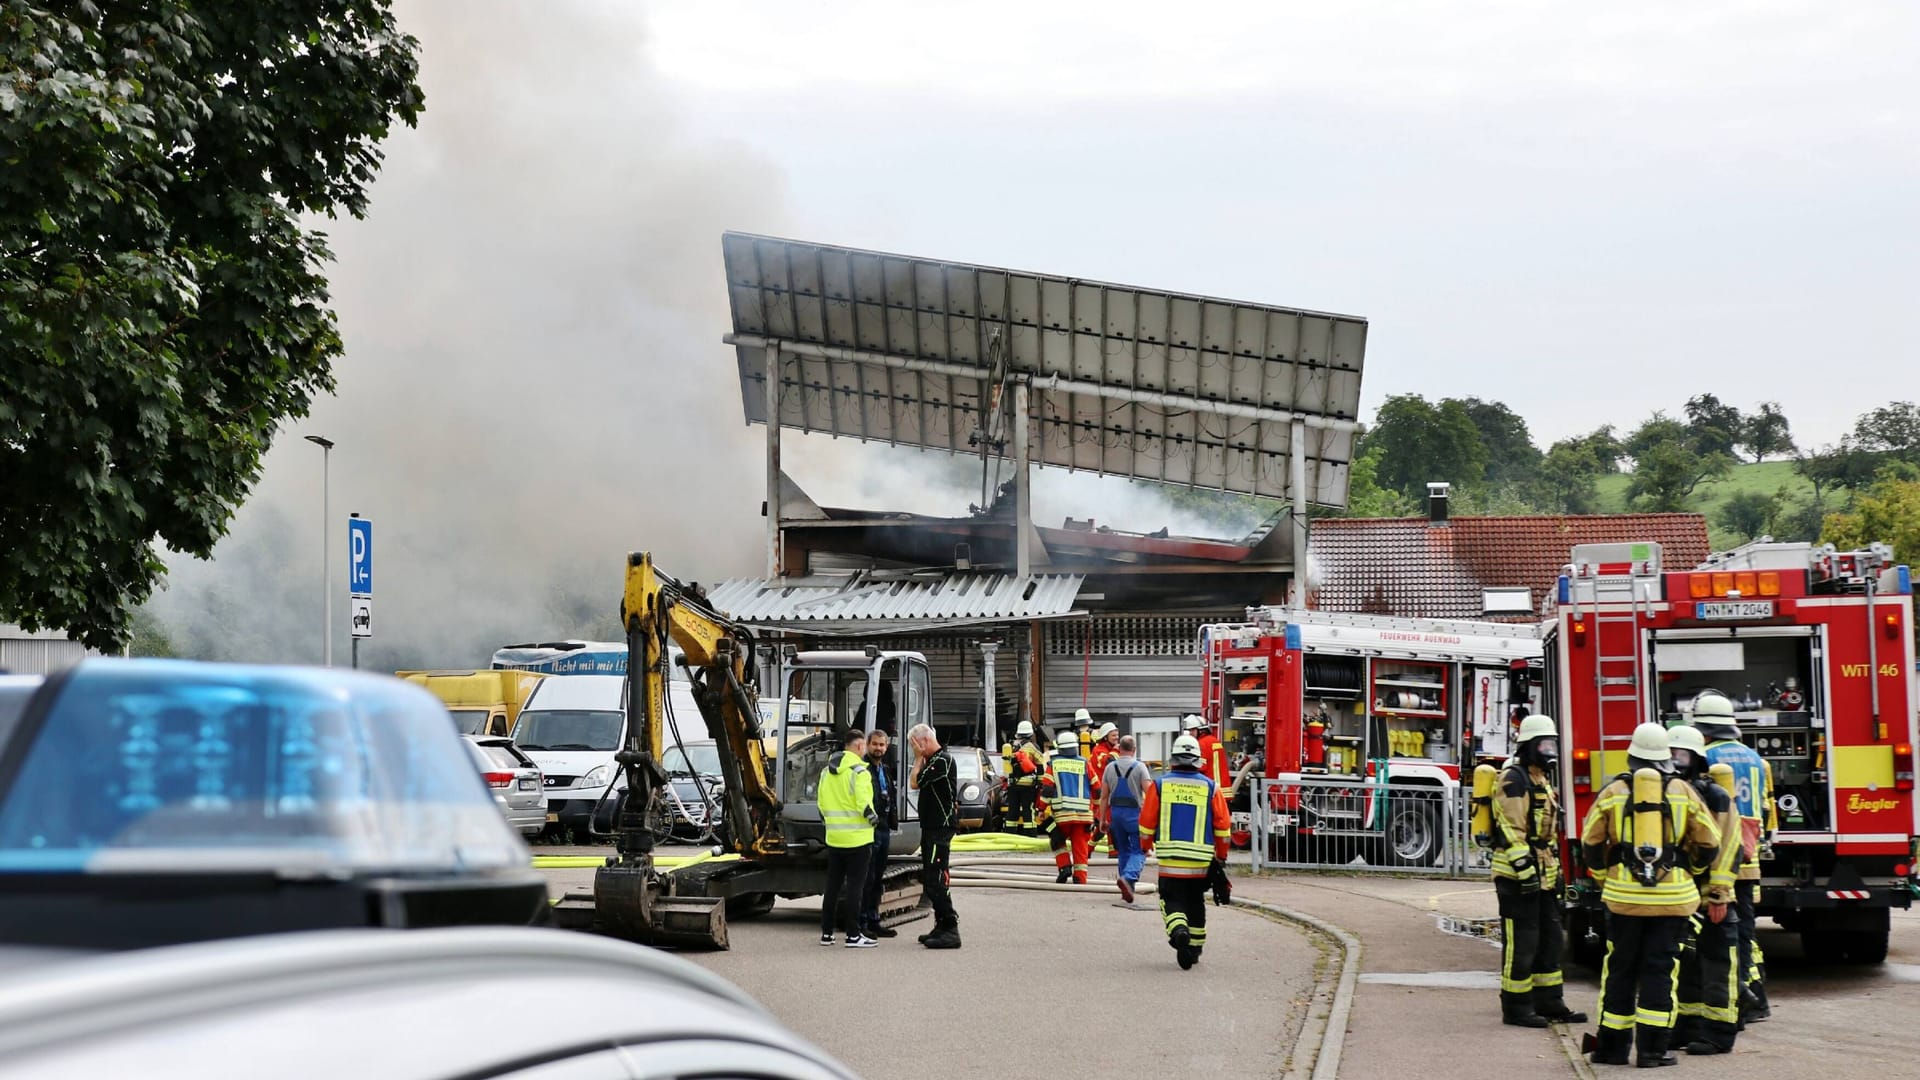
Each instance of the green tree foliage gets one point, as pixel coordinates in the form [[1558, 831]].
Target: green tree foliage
[[1713, 427], [162, 306], [1888, 511], [1366, 497], [147, 636], [1669, 464], [1749, 514], [1569, 474], [1766, 432], [1420, 441], [1512, 459]]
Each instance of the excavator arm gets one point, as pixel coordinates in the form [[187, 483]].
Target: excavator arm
[[656, 610]]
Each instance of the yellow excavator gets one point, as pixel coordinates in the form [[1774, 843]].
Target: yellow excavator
[[767, 798]]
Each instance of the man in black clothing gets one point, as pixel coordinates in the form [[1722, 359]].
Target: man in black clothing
[[934, 778]]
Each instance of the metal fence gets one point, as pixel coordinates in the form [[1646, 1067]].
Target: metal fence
[[1329, 823]]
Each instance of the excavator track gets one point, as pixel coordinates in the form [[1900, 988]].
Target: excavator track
[[902, 897]]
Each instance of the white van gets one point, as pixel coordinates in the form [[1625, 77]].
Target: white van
[[572, 727]]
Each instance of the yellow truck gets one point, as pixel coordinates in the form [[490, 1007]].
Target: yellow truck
[[482, 702]]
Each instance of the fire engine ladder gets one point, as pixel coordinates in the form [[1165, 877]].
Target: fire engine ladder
[[1620, 652]]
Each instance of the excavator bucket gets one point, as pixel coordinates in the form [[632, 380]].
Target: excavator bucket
[[628, 902]]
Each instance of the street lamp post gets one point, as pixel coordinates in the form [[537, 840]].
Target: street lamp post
[[326, 531]]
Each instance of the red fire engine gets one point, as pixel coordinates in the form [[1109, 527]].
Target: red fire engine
[[1814, 648], [1321, 696]]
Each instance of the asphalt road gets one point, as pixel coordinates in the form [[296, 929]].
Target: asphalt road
[[1427, 1004]]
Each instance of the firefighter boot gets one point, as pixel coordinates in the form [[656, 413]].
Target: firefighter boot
[[1611, 1047], [1516, 1010], [1650, 1047], [1552, 1004], [1183, 949]]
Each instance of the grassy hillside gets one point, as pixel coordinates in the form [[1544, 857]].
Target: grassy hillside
[[1766, 478]]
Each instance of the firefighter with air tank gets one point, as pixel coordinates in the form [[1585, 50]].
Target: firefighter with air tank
[[1517, 815], [1647, 837], [1753, 802], [1709, 958]]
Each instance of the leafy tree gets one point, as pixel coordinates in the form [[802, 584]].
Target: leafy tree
[[1511, 456], [1892, 431], [1570, 472], [1366, 498], [148, 636], [1713, 427], [1668, 464], [162, 306], [1749, 514], [1419, 441], [1766, 432], [1888, 511]]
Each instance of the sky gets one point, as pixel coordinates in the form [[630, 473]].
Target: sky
[[1589, 212]]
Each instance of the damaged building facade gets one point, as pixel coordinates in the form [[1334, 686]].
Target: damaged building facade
[[1019, 619]]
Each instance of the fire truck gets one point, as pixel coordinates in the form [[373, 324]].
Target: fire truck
[[1391, 705], [1814, 648]]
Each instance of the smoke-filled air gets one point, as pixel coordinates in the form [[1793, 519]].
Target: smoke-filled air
[[534, 382]]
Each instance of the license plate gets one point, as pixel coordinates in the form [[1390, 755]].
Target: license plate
[[529, 785], [1733, 610], [553, 819]]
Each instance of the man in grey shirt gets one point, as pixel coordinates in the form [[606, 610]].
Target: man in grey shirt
[[1122, 787]]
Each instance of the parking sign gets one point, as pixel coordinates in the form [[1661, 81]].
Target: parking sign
[[359, 557]]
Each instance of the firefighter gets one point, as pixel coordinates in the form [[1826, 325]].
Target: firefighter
[[1709, 990], [1753, 801], [1070, 807], [1106, 743], [1527, 880], [1213, 757], [1023, 782], [1647, 835], [1184, 819]]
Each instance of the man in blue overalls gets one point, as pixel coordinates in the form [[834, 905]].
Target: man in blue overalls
[[1123, 784], [877, 763]]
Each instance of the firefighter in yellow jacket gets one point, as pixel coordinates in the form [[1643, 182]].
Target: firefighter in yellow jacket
[[1527, 879], [1646, 838], [1709, 965]]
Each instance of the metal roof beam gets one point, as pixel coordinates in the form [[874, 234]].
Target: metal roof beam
[[1051, 382]]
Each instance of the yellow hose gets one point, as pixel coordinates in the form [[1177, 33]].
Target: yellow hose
[[588, 862]]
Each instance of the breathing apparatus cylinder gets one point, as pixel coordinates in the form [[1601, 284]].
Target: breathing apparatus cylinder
[[1723, 775], [1649, 835], [1485, 777]]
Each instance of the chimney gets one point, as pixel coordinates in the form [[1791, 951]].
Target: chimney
[[1437, 504]]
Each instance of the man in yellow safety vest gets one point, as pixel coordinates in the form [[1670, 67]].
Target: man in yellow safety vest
[[1647, 837], [846, 808], [1184, 819]]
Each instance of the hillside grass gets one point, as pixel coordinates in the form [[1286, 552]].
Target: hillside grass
[[1765, 477]]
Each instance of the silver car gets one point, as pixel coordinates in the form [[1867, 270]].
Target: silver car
[[516, 783], [334, 1003]]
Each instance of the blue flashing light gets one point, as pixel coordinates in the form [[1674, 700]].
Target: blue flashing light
[[139, 764], [1566, 589], [1905, 578], [1293, 637]]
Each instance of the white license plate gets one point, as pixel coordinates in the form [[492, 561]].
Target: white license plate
[[529, 785], [1734, 609]]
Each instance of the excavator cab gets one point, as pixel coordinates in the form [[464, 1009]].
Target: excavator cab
[[828, 694]]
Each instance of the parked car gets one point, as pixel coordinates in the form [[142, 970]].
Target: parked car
[[572, 726], [150, 802], [336, 1003], [514, 779], [982, 788], [694, 787]]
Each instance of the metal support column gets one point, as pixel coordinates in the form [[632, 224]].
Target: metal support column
[[1023, 476], [774, 555], [991, 724], [1297, 488]]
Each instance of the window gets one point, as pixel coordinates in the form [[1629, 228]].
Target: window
[[469, 721], [695, 759], [570, 729]]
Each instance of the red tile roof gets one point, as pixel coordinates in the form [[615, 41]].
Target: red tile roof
[[1407, 566]]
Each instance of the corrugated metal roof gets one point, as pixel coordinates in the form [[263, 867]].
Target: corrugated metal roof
[[956, 597], [1407, 566]]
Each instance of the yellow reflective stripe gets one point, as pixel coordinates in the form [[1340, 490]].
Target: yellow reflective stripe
[[1616, 1021], [1508, 983], [1653, 1018], [1548, 978]]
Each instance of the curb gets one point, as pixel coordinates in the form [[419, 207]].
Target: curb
[[1333, 1036]]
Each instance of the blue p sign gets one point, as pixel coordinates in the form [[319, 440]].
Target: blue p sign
[[360, 556]]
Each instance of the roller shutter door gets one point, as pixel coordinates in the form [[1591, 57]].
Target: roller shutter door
[[1131, 665], [954, 664]]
